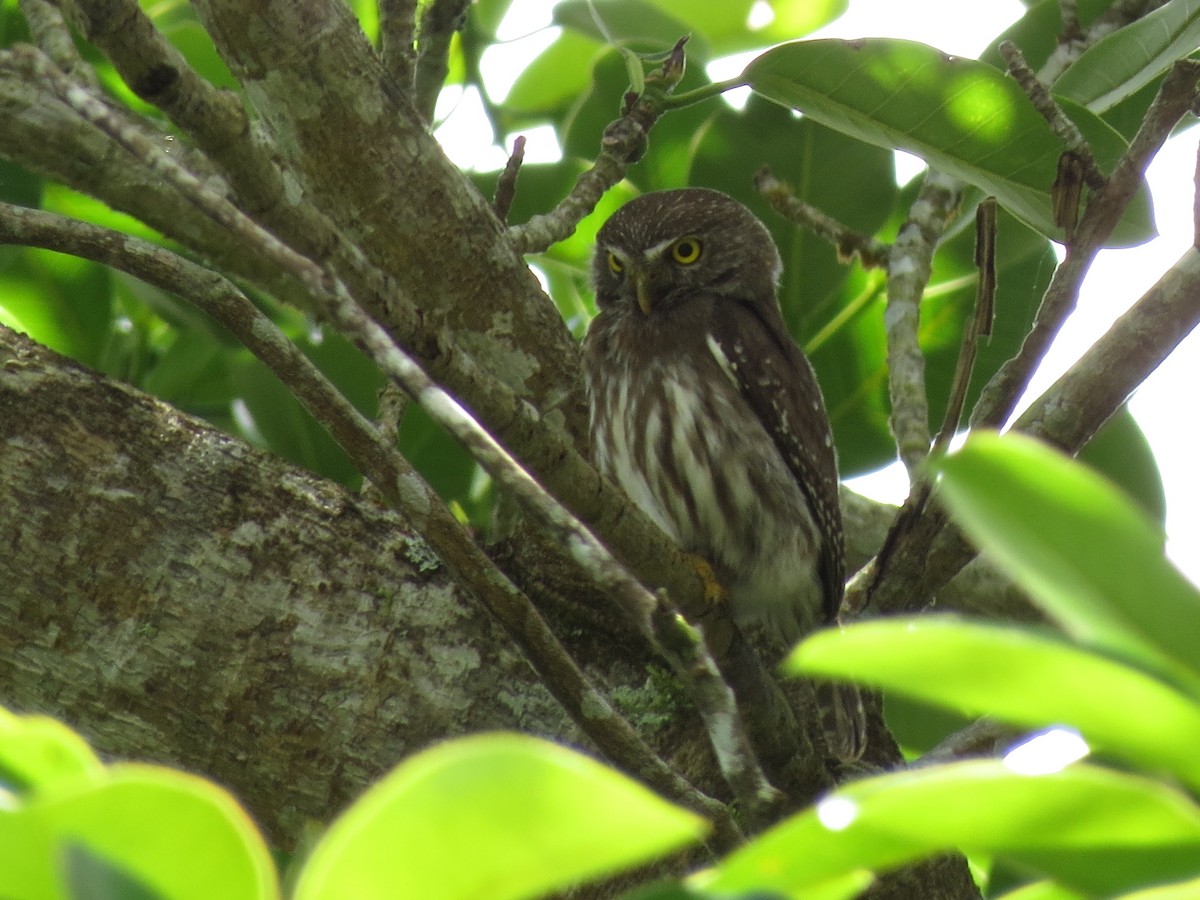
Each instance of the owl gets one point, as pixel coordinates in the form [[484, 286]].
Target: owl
[[706, 412]]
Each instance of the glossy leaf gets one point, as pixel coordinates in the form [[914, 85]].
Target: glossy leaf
[[90, 876], [175, 834], [716, 29], [36, 751], [1018, 676], [725, 24], [501, 816], [1083, 826], [1088, 556], [1121, 452], [962, 116], [635, 24], [1036, 32], [1184, 890], [1042, 890], [1128, 59]]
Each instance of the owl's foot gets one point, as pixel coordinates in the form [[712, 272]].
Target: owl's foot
[[715, 593]]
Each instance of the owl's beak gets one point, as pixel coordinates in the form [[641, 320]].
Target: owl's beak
[[642, 291]]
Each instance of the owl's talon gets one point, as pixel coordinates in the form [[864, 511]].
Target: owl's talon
[[715, 593]]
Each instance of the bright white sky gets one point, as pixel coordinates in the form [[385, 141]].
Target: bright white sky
[[1117, 279]]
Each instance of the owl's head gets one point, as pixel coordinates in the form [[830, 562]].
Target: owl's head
[[662, 248]]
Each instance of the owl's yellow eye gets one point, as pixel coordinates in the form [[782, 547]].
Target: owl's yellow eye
[[686, 251], [615, 264]]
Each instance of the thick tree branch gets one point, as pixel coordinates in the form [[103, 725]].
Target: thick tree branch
[[180, 597]]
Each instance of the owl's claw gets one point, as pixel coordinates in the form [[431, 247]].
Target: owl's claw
[[715, 593]]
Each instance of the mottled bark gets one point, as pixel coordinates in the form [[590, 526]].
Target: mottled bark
[[180, 597]]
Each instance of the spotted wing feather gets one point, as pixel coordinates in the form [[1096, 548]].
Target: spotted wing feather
[[779, 385]]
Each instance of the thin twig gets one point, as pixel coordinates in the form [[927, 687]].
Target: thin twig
[[1196, 201], [374, 451], [909, 265], [393, 403], [439, 21], [1067, 131], [848, 242], [49, 31], [506, 187], [978, 326], [623, 143], [1069, 15], [1067, 415], [1175, 97], [983, 737]]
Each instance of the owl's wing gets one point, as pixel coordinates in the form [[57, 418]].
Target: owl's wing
[[760, 358]]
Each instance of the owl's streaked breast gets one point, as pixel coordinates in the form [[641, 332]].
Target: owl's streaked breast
[[671, 430]]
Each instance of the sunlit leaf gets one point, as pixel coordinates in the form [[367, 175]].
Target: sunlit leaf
[[962, 116], [1017, 676], [1083, 826], [1184, 890], [178, 835], [1088, 556], [1042, 890], [498, 816], [1126, 60], [36, 751]]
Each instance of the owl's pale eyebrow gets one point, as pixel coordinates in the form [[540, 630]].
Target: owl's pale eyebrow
[[657, 249]]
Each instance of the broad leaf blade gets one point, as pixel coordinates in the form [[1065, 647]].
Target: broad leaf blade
[[37, 751], [1083, 826], [177, 835], [964, 117], [1018, 676], [499, 816], [1131, 57], [1086, 554], [1188, 890]]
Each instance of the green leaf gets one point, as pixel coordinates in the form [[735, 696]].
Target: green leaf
[[1083, 826], [1042, 890], [178, 835], [716, 29], [1036, 32], [1188, 890], [498, 816], [630, 23], [1121, 452], [1005, 672], [1088, 556], [962, 116], [37, 751], [555, 78], [1128, 59], [726, 24], [92, 877]]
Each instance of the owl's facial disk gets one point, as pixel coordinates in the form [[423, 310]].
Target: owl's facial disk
[[648, 278]]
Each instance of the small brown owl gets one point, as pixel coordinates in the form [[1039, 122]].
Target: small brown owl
[[706, 412]]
